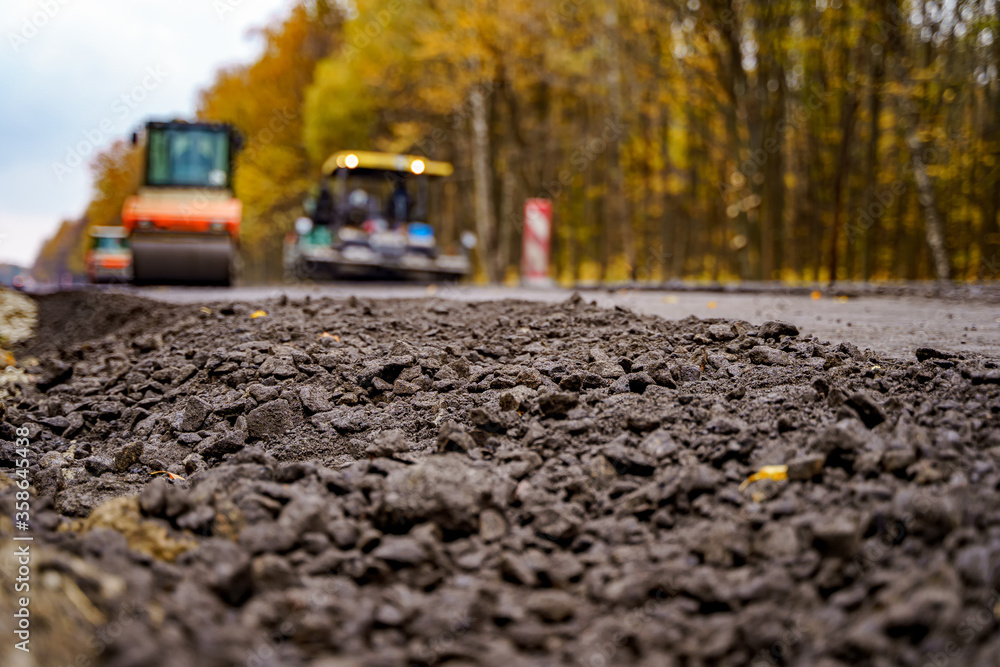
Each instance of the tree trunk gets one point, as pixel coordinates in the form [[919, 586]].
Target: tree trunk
[[483, 177], [848, 115], [617, 199], [933, 224]]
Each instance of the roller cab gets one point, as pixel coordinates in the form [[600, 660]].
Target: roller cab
[[109, 257], [184, 223]]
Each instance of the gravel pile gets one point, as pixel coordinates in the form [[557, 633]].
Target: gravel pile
[[425, 482]]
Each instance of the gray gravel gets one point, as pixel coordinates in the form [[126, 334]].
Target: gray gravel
[[890, 325]]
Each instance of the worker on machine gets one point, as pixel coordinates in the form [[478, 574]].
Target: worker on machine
[[400, 204], [324, 207]]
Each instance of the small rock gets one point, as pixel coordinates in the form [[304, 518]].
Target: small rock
[[153, 498], [517, 398], [194, 415], [925, 353], [387, 444], [400, 551], [628, 460], [492, 525], [486, 420], [404, 388], [453, 438], [262, 393], [57, 424], [315, 398], [271, 572], [557, 404], [552, 606], [722, 332], [659, 444], [127, 456], [768, 356], [776, 329], [108, 410], [870, 413], [846, 436], [805, 467], [217, 446], [776, 540], [98, 465], [269, 419], [725, 426], [279, 367], [686, 373], [637, 382], [985, 377], [836, 535], [446, 489], [898, 458]]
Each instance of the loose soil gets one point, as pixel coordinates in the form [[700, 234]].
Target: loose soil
[[427, 482]]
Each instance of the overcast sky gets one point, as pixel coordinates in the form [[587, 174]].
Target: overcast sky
[[78, 72]]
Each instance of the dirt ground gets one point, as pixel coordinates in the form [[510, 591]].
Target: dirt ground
[[432, 481]]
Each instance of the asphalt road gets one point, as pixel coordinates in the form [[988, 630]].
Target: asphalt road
[[891, 325]]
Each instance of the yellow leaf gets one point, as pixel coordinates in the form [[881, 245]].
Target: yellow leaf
[[257, 313], [777, 473], [168, 474]]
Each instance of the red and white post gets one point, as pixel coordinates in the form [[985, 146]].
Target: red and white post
[[537, 243]]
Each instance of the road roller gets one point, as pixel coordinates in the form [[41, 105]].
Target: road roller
[[184, 222], [109, 259]]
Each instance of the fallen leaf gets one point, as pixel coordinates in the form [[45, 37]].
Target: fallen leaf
[[777, 473], [207, 311], [670, 299], [168, 474], [711, 304], [816, 295], [330, 335], [257, 313]]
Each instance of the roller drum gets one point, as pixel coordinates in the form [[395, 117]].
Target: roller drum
[[186, 259]]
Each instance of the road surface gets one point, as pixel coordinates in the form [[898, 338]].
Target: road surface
[[891, 325]]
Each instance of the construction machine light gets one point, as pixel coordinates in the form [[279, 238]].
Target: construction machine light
[[417, 166], [351, 161], [145, 224], [340, 162]]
